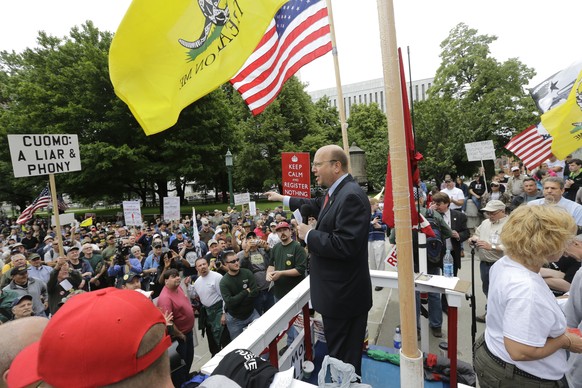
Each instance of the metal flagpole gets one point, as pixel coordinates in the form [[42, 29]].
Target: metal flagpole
[[411, 368]]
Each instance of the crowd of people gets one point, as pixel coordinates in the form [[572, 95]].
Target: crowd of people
[[529, 255], [230, 268]]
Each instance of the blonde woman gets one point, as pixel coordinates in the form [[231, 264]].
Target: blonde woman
[[525, 340]]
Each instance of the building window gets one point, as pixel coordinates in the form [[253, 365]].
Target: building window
[[360, 98], [415, 92], [376, 97], [382, 101], [366, 99], [423, 97]]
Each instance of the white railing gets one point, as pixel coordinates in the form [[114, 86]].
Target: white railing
[[262, 332]]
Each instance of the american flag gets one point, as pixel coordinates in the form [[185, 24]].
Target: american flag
[[531, 147], [298, 34], [43, 200], [62, 205]]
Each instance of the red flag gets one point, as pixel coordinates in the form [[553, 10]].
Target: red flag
[[298, 34], [531, 147], [412, 160]]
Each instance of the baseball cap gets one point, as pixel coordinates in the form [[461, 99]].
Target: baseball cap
[[16, 245], [282, 225], [493, 206], [23, 369], [20, 298], [128, 277], [33, 256], [18, 271], [125, 314], [514, 168], [212, 242], [204, 221], [273, 224], [495, 183], [48, 237], [73, 248], [233, 365]]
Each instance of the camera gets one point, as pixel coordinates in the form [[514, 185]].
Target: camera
[[121, 253]]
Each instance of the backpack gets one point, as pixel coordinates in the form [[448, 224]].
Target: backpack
[[434, 245]]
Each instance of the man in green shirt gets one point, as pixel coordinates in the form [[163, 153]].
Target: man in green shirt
[[286, 268], [111, 248], [287, 262], [239, 289]]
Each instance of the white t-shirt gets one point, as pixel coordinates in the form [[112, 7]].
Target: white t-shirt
[[559, 163], [273, 239], [207, 288], [456, 194], [522, 308]]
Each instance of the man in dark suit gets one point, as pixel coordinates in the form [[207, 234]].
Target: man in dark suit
[[458, 224], [341, 289]]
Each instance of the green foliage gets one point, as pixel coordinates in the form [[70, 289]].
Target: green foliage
[[62, 86], [367, 128], [473, 98]]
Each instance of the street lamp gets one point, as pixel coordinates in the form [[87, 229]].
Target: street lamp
[[228, 161]]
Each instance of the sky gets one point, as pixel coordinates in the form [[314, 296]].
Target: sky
[[536, 32]]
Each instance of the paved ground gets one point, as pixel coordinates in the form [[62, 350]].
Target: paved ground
[[392, 317]]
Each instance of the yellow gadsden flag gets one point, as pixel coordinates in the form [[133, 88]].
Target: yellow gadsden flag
[[86, 222], [166, 55], [564, 122]]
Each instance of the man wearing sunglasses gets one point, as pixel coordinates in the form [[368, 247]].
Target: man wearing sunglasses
[[486, 240], [239, 290]]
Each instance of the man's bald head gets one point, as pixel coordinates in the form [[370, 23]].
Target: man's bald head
[[15, 336], [335, 152], [329, 164]]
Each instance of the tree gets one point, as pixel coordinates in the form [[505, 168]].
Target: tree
[[283, 126], [63, 86], [327, 129], [368, 129], [473, 98]]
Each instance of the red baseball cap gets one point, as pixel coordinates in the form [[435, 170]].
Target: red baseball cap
[[23, 370], [93, 340], [282, 225]]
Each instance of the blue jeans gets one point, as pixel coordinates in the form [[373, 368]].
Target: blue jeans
[[435, 309], [264, 301], [236, 326], [476, 201], [186, 349]]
